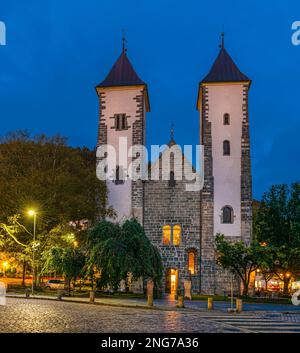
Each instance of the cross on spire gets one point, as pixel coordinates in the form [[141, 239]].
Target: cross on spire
[[124, 41], [172, 132], [222, 40]]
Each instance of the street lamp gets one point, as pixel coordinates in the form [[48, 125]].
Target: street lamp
[[5, 266], [32, 213]]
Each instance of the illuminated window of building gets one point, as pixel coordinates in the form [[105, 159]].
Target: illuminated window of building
[[166, 235], [226, 118], [176, 234], [191, 262]]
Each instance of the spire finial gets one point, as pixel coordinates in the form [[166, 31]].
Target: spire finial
[[172, 132], [124, 41], [222, 39]]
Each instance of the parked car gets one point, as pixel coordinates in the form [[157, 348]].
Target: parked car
[[55, 284]]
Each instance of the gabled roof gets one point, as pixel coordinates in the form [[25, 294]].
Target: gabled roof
[[224, 70], [122, 74]]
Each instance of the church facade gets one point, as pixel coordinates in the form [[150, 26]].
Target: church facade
[[181, 223]]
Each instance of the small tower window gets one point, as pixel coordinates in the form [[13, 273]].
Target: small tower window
[[119, 177], [227, 214], [166, 234], [191, 262], [226, 148], [226, 119], [120, 121], [176, 234], [172, 181]]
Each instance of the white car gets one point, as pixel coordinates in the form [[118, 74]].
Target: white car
[[55, 284]]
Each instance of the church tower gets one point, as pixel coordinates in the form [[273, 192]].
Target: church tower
[[226, 199], [123, 103]]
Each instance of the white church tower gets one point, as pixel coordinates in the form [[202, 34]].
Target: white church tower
[[226, 199], [123, 103]]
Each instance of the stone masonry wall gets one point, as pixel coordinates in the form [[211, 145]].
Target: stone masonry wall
[[246, 177], [138, 138], [167, 205]]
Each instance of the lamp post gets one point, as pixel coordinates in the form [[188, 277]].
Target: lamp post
[[32, 213]]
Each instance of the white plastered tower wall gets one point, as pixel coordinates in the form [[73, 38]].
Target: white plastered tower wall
[[122, 100], [223, 99], [227, 176], [123, 103]]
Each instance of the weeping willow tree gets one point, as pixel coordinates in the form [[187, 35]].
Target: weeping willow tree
[[118, 250]]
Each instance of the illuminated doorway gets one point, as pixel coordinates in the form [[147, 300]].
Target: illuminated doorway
[[171, 281]]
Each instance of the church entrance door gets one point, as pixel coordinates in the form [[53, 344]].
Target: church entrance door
[[171, 281]]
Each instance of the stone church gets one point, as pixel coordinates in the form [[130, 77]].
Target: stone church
[[181, 223]]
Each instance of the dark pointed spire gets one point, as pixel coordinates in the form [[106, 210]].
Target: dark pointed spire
[[122, 74], [224, 69]]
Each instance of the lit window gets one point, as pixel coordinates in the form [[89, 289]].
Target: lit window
[[226, 119], [191, 262], [176, 234], [227, 214], [226, 148], [166, 235]]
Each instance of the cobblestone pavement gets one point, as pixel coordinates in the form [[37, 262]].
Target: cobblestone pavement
[[21, 315]]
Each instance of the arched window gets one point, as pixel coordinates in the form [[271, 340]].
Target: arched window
[[226, 148], [191, 262], [166, 234], [176, 234], [227, 214], [119, 176], [172, 181], [226, 119]]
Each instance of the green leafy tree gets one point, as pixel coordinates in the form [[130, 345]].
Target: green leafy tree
[[46, 174], [118, 250], [277, 224], [66, 261], [239, 259]]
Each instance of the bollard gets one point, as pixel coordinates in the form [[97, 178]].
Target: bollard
[[60, 294], [92, 296], [180, 302], [27, 292], [150, 300], [239, 305], [210, 303]]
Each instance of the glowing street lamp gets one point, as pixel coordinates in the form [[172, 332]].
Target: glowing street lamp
[[5, 265], [32, 213]]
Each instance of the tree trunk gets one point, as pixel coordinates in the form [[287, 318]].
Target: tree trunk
[[286, 283], [23, 273], [245, 288]]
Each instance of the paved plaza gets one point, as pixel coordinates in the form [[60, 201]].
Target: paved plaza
[[36, 315]]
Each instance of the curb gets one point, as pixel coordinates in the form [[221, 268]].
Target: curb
[[136, 306]]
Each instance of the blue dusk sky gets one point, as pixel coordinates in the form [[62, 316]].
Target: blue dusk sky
[[58, 50]]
